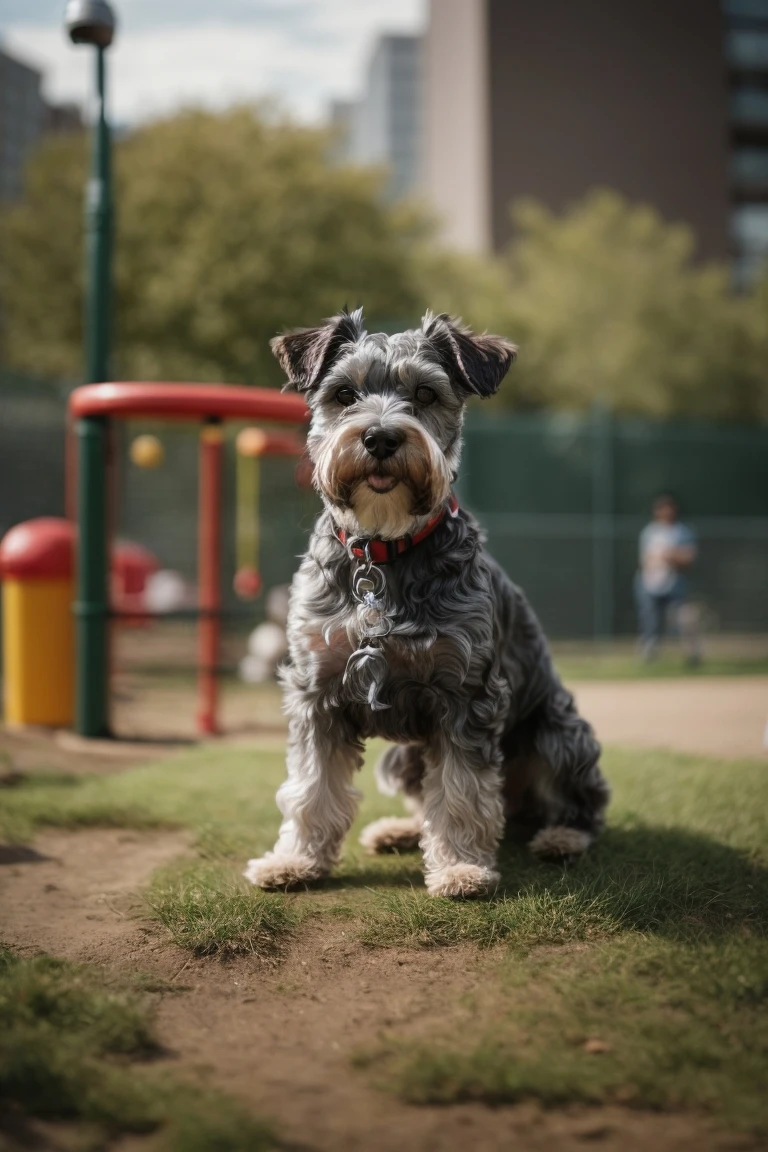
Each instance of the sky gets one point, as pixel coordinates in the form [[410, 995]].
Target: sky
[[168, 54]]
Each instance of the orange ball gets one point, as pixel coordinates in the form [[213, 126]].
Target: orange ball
[[147, 452], [247, 583]]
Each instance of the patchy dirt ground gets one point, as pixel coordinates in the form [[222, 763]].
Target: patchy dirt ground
[[281, 1038], [715, 716]]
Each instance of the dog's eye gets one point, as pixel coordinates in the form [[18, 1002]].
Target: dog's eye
[[425, 394], [346, 396]]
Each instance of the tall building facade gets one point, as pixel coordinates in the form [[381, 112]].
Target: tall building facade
[[746, 54], [24, 118], [384, 127], [554, 98]]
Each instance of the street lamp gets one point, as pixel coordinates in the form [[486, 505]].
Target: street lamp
[[93, 22]]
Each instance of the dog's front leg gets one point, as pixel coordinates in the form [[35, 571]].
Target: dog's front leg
[[463, 815], [317, 801]]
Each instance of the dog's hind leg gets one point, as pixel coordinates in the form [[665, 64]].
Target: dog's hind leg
[[400, 770], [571, 790]]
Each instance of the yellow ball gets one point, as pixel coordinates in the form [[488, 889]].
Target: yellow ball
[[147, 452]]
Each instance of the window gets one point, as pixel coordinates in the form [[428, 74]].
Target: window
[[747, 49], [750, 106], [749, 166], [746, 9], [749, 227]]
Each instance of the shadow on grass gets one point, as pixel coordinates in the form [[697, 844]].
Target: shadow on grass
[[671, 882], [407, 874]]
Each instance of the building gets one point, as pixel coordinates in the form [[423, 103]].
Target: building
[[664, 100], [24, 118], [22, 114], [746, 54], [384, 126]]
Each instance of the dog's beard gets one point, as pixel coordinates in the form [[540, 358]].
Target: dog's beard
[[351, 480]]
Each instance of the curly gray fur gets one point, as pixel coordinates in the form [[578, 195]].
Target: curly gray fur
[[462, 683]]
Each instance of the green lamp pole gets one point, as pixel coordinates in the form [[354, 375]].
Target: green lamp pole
[[93, 22]]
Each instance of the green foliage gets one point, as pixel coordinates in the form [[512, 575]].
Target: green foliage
[[607, 304], [70, 1049], [232, 226], [228, 228]]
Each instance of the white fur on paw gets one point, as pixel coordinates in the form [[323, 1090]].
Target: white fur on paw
[[391, 833], [560, 841], [462, 880], [276, 871]]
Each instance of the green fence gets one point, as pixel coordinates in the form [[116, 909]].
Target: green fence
[[562, 498]]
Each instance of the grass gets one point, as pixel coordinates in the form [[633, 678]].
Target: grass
[[638, 1021], [78, 1050], [609, 664], [212, 913], [654, 946]]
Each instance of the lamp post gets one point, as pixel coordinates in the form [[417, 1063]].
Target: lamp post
[[93, 22]]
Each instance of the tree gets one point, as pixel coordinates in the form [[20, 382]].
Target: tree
[[229, 228], [608, 304], [232, 227]]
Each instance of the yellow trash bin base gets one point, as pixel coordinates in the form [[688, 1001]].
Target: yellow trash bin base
[[38, 652]]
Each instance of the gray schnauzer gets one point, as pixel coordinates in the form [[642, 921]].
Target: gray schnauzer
[[402, 626]]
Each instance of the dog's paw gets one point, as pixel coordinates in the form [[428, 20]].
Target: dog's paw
[[559, 842], [462, 881], [391, 834], [278, 871]]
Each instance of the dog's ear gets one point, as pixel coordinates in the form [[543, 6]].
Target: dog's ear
[[306, 354], [476, 363]]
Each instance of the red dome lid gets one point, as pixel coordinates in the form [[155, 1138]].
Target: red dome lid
[[38, 549]]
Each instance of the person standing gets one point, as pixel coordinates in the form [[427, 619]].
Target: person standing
[[667, 551]]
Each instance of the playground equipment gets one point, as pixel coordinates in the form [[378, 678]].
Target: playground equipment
[[251, 445], [147, 451], [93, 409]]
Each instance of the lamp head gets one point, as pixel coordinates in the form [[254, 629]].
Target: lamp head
[[90, 22]]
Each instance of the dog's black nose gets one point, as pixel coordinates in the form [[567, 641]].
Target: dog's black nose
[[382, 442]]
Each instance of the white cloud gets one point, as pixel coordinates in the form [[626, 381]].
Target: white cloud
[[302, 53]]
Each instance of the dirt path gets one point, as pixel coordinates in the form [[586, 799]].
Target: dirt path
[[713, 716], [282, 1038]]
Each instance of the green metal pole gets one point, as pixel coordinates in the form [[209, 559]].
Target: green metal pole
[[603, 526], [98, 241], [91, 606]]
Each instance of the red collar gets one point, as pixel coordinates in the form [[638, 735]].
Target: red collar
[[380, 551]]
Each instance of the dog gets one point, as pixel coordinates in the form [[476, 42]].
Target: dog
[[402, 626]]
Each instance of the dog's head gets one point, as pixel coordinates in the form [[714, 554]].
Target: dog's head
[[387, 413]]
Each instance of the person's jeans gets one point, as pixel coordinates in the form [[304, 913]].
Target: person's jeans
[[656, 612]]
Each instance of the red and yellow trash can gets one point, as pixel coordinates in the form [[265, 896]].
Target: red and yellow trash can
[[37, 562]]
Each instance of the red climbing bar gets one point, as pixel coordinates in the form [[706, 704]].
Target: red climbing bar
[[209, 576], [187, 402]]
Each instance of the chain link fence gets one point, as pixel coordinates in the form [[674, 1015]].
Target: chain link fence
[[563, 499]]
